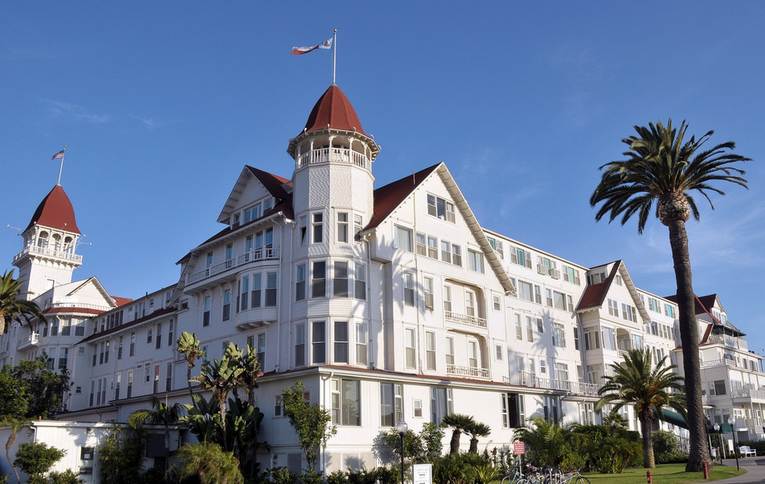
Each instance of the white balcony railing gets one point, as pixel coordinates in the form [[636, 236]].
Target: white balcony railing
[[469, 371], [32, 340], [532, 380], [729, 364], [255, 255], [465, 319], [755, 394], [80, 305], [68, 255], [333, 155]]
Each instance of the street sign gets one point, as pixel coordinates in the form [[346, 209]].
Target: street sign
[[519, 447], [422, 474]]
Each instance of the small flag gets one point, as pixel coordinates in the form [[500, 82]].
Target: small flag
[[327, 44], [59, 155]]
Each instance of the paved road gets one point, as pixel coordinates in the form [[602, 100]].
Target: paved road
[[755, 471]]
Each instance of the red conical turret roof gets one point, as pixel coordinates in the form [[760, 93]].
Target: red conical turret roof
[[55, 211], [333, 110]]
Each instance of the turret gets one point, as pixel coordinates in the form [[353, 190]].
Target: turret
[[48, 257]]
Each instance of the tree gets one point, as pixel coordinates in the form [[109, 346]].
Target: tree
[[209, 463], [546, 443], [248, 362], [13, 424], [633, 382], [12, 306], [311, 422], [36, 458], [459, 423], [14, 400], [44, 388], [664, 168], [432, 436], [221, 377], [120, 455], [189, 346], [475, 430]]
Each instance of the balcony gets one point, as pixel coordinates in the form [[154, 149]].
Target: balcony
[[468, 371], [467, 319], [729, 363], [531, 380], [333, 155], [67, 255], [29, 342], [256, 255], [749, 394]]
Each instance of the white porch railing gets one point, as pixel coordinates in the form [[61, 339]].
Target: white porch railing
[[465, 319], [471, 371], [255, 255], [50, 252], [333, 155], [80, 305], [531, 380]]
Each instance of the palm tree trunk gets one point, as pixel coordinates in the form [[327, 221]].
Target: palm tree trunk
[[454, 445], [649, 462], [191, 391], [689, 336], [473, 445], [2, 322]]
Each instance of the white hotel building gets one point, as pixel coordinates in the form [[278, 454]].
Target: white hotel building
[[390, 303]]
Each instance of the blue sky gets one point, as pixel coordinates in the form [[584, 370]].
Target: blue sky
[[161, 103]]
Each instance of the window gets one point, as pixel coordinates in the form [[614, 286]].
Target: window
[[278, 406], [346, 402], [559, 335], [441, 403], [420, 241], [270, 289], [559, 300], [410, 348], [571, 275], [448, 299], [358, 225], [79, 330], [318, 341], [449, 351], [512, 410], [54, 327], [469, 303], [526, 291], [619, 281], [540, 326], [609, 339], [158, 339], [498, 351], [261, 350], [129, 383], [548, 297], [226, 304], [361, 343], [473, 354], [244, 296], [669, 310], [300, 283], [341, 342], [475, 260], [409, 289], [518, 328], [430, 350], [319, 279], [360, 281], [257, 290], [530, 329], [63, 355], [613, 308], [403, 238], [520, 256], [653, 305], [497, 246], [119, 348], [342, 226], [446, 251], [629, 313], [206, 311], [438, 207], [576, 338], [391, 404], [719, 387], [169, 377], [132, 344], [496, 301], [303, 227], [149, 334], [340, 282], [417, 408], [456, 255], [299, 344], [318, 228], [432, 247], [427, 292], [155, 387], [229, 256]]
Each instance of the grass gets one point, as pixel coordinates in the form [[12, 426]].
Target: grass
[[664, 473]]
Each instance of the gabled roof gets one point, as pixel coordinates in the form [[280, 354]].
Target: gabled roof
[[392, 195], [121, 301], [93, 280], [333, 110], [274, 184], [55, 211], [595, 294]]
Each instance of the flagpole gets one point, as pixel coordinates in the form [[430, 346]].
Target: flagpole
[[61, 167], [334, 55]]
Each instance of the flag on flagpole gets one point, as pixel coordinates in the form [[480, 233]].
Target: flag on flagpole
[[59, 155], [327, 44]]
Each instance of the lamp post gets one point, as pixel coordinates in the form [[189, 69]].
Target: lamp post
[[731, 421], [717, 431], [402, 427]]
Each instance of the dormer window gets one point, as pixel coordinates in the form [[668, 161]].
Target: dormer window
[[440, 208], [235, 220]]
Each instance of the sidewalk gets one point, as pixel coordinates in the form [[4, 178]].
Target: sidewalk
[[755, 471]]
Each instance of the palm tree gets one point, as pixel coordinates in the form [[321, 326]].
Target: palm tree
[[12, 307], [191, 349], [220, 377], [648, 390], [459, 423], [546, 443], [664, 168], [209, 463], [14, 425], [477, 429], [248, 362], [160, 414]]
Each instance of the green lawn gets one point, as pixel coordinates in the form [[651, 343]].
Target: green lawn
[[665, 473]]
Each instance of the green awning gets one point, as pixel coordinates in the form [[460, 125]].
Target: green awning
[[670, 416]]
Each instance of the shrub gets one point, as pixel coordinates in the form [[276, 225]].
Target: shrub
[[36, 458], [280, 475], [666, 448], [209, 463], [66, 477], [457, 468], [119, 456]]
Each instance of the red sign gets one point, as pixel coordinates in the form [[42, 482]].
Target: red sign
[[519, 448]]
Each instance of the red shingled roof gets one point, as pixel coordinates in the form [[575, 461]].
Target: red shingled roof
[[333, 110], [703, 304], [273, 183], [595, 294], [55, 211], [390, 196], [121, 301]]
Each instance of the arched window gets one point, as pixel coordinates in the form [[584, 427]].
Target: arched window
[[68, 245], [56, 242], [42, 239]]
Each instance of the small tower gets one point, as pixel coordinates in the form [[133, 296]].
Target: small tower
[[333, 158], [48, 257]]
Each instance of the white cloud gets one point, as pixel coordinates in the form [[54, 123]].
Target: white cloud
[[61, 108]]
